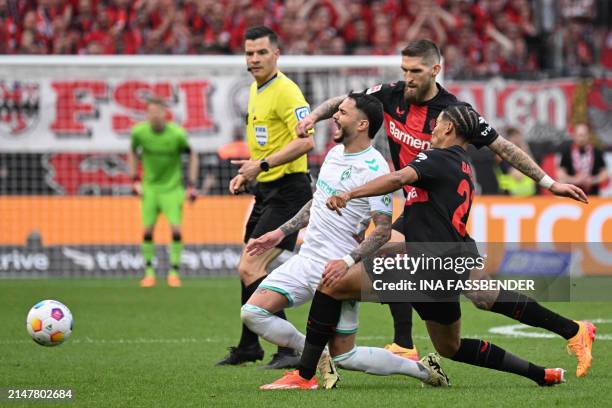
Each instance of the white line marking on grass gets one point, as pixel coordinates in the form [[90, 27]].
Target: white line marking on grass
[[519, 330]]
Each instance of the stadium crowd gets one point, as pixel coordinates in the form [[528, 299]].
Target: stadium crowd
[[479, 38]]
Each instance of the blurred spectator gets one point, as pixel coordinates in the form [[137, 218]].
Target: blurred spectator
[[582, 163], [511, 181]]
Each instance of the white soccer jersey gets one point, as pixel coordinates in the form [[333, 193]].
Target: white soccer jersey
[[328, 235]]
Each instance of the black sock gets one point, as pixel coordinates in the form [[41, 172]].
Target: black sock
[[402, 324], [526, 310], [484, 354], [248, 338], [322, 320]]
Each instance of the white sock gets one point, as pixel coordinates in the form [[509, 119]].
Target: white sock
[[272, 328], [378, 361]]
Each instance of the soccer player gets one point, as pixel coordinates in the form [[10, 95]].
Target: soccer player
[[328, 238], [411, 108], [279, 164], [160, 145], [438, 176]]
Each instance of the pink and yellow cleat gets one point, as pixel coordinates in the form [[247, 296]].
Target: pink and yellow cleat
[[581, 346], [409, 353], [147, 282], [292, 381]]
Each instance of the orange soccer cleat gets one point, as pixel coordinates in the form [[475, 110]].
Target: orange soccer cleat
[[147, 282], [553, 376], [292, 381], [409, 353], [174, 281], [581, 346]]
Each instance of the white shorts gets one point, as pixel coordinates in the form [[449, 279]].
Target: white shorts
[[298, 278]]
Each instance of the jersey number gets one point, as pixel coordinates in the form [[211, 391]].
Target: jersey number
[[468, 195]]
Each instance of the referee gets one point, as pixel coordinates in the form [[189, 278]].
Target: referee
[[279, 164]]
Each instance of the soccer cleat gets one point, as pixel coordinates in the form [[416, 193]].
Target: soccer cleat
[[409, 353], [282, 360], [553, 376], [241, 355], [328, 371], [173, 281], [147, 282], [292, 381], [581, 346], [437, 376]]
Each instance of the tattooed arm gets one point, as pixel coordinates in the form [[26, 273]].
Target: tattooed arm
[[335, 270], [321, 112], [271, 239], [299, 220], [378, 237], [525, 164], [517, 158]]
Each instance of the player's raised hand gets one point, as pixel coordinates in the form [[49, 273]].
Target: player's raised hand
[[569, 190], [237, 184], [334, 272], [248, 168], [264, 243], [335, 203], [305, 126]]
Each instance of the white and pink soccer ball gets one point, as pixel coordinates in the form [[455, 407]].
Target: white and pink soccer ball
[[49, 323]]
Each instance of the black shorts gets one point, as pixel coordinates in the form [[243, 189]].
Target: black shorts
[[398, 224], [440, 312], [276, 202]]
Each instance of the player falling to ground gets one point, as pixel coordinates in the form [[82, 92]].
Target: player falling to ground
[[279, 165], [327, 239], [160, 145], [411, 108], [440, 175]]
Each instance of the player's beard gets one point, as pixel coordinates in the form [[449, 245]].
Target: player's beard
[[416, 95]]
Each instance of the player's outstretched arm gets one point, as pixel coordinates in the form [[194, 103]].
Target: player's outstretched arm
[[321, 112], [271, 239], [379, 186], [525, 164], [336, 269]]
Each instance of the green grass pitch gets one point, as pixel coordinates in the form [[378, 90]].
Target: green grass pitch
[[135, 347]]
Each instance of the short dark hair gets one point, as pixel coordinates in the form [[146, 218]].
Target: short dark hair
[[254, 33], [155, 100], [465, 119], [426, 49], [372, 108]]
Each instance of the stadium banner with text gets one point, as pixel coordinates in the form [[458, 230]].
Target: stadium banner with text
[[540, 223], [92, 107]]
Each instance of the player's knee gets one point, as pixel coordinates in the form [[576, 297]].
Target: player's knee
[[176, 236], [251, 316], [480, 299], [148, 236]]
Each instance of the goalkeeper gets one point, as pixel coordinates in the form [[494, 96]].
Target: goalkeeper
[[160, 145]]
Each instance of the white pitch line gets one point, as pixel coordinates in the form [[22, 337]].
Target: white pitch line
[[519, 331]]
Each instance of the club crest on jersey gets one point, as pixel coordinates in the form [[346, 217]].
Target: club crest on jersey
[[302, 112], [346, 174], [374, 89], [386, 199]]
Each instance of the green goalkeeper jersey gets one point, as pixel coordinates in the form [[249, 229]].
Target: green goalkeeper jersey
[[160, 154]]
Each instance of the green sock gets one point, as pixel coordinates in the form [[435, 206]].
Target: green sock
[[148, 250], [176, 248]]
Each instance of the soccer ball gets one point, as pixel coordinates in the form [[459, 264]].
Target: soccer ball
[[49, 323]]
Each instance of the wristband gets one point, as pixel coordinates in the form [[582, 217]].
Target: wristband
[[546, 182], [349, 260]]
